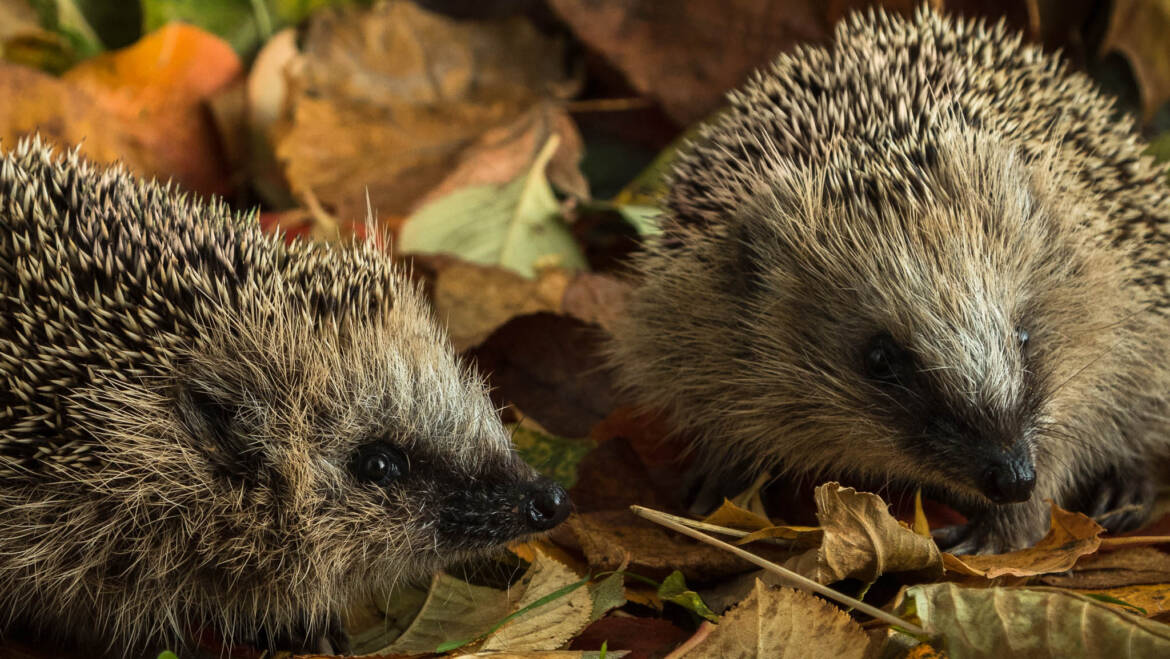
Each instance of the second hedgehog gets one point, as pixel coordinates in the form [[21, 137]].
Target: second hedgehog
[[200, 425], [927, 255]]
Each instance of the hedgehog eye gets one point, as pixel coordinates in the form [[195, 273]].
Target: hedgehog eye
[[1022, 336], [380, 464], [886, 361]]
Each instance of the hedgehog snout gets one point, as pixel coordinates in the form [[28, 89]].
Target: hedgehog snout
[[1010, 475], [547, 505]]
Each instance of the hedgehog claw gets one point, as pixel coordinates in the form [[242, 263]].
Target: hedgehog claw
[[1120, 500], [996, 530]]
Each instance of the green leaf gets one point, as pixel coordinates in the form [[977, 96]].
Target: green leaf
[[245, 24], [516, 226], [553, 456], [674, 589], [66, 19], [644, 219], [1109, 599], [607, 594], [167, 654]]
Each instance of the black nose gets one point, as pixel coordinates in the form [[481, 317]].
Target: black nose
[[1009, 479], [548, 505]]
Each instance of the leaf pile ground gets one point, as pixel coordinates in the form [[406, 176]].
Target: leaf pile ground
[[514, 153]]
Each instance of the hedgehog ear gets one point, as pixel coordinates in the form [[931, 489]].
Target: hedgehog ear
[[211, 421], [747, 269]]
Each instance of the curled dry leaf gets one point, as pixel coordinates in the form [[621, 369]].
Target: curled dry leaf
[[1072, 536], [862, 540], [387, 99], [1012, 622], [787, 623]]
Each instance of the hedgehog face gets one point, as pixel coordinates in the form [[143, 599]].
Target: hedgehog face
[[943, 326], [327, 458]]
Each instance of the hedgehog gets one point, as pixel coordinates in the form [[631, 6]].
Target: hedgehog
[[927, 255], [203, 428]]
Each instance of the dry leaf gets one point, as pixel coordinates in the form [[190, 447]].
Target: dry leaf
[[550, 367], [36, 102], [783, 622], [643, 637], [501, 154], [732, 516], [688, 54], [158, 89], [1125, 567], [474, 300], [1016, 622], [1072, 536], [609, 539], [1153, 599], [551, 625], [862, 540], [1138, 30], [597, 299], [388, 99]]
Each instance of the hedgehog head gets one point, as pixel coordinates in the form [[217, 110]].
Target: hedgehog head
[[927, 316], [319, 453]]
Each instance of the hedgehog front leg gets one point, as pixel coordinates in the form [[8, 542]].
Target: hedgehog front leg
[[997, 529], [1120, 498]]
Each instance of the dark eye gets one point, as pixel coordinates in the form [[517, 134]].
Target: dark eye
[[886, 361], [1022, 336], [380, 464]]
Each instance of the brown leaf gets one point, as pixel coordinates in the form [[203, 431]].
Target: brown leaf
[[732, 516], [862, 540], [1153, 598], [1072, 536], [63, 114], [388, 99], [642, 637], [1112, 569], [550, 367], [608, 539], [783, 622], [158, 90], [688, 54], [1138, 29], [612, 477], [502, 153], [475, 300], [594, 298]]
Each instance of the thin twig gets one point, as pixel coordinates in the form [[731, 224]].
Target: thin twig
[[788, 575]]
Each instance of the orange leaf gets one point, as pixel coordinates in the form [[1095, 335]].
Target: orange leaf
[[157, 89]]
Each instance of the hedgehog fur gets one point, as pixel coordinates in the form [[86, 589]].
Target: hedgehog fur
[[928, 255], [203, 426]]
